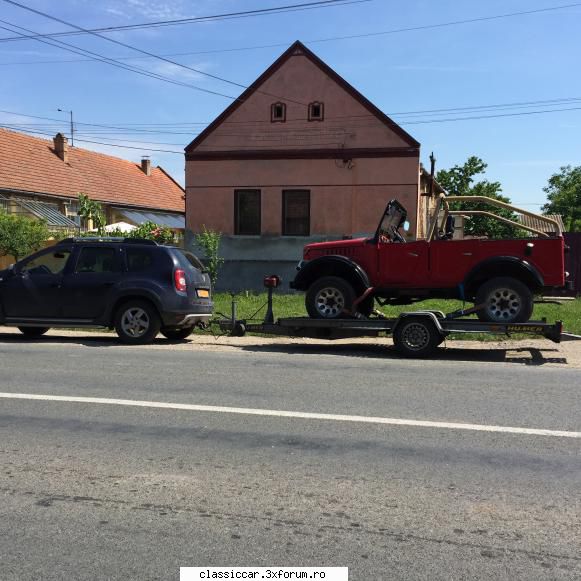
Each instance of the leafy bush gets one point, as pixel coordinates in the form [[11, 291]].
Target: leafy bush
[[20, 236], [209, 241]]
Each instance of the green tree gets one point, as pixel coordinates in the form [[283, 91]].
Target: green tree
[[91, 210], [20, 236], [209, 241], [564, 196], [460, 181]]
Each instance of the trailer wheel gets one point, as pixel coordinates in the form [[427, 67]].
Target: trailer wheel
[[416, 337]]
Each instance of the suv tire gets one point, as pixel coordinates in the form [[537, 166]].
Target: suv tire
[[137, 322], [177, 333], [32, 332], [329, 297], [505, 300]]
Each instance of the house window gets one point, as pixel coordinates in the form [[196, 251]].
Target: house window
[[296, 212], [316, 111], [247, 212], [278, 112]]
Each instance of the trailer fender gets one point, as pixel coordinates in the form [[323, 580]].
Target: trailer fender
[[429, 315], [340, 266]]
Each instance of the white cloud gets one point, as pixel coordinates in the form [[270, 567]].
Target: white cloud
[[176, 72], [147, 10]]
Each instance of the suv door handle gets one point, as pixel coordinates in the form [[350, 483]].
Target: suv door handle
[[413, 254], [466, 253], [108, 283]]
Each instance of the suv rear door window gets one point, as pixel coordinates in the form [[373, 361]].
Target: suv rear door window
[[97, 260]]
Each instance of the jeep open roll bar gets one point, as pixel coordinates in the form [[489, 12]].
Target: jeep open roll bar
[[443, 201]]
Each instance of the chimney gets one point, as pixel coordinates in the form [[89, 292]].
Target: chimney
[[61, 147], [146, 166]]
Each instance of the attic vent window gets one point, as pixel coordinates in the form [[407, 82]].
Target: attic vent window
[[316, 110], [278, 112]]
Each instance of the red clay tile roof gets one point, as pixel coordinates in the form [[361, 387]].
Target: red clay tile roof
[[30, 164]]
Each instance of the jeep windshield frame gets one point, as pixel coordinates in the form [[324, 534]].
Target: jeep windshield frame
[[392, 220]]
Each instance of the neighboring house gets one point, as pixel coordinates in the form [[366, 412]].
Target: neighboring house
[[540, 225], [301, 156], [43, 179]]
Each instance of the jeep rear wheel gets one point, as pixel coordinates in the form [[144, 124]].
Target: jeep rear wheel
[[504, 300], [329, 297]]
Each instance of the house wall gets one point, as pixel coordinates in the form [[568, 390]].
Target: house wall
[[344, 202]]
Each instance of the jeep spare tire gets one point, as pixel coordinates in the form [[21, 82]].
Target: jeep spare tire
[[329, 297], [504, 300]]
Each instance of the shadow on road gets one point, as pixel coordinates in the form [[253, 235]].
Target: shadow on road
[[521, 355], [518, 354], [87, 340]]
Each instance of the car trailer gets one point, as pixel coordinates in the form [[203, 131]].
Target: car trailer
[[416, 334]]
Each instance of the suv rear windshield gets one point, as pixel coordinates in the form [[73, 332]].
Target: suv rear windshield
[[192, 259]]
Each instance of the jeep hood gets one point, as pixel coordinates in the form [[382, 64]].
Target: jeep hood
[[340, 247]]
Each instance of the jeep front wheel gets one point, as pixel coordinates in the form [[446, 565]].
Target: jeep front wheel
[[504, 300], [329, 297]]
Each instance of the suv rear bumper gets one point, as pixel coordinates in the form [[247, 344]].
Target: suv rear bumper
[[193, 319], [187, 318]]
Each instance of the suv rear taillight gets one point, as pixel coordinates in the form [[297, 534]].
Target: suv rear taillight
[[179, 280]]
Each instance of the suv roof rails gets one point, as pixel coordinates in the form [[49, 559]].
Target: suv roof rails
[[115, 239]]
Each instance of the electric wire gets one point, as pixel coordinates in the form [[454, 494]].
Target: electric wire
[[331, 38], [95, 56], [197, 19]]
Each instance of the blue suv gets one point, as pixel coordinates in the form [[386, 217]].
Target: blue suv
[[137, 287]]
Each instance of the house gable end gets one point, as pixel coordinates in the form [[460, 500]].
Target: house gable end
[[250, 114]]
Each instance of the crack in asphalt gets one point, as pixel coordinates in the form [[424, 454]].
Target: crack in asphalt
[[47, 500]]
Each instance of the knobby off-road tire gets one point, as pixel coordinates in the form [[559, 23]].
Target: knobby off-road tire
[[177, 334], [416, 337], [32, 332], [505, 300], [329, 298], [137, 322]]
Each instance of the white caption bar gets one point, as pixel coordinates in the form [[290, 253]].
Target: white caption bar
[[326, 573]]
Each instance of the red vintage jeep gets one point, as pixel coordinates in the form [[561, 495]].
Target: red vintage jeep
[[501, 277]]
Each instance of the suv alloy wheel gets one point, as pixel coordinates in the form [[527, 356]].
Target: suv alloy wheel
[[137, 322]]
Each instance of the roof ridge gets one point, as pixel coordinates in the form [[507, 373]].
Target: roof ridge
[[73, 148]]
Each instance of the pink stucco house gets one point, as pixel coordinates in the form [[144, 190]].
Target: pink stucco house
[[300, 156]]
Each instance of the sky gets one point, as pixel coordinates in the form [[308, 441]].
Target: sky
[[529, 58]]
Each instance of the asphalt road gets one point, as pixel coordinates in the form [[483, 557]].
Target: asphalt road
[[105, 491]]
